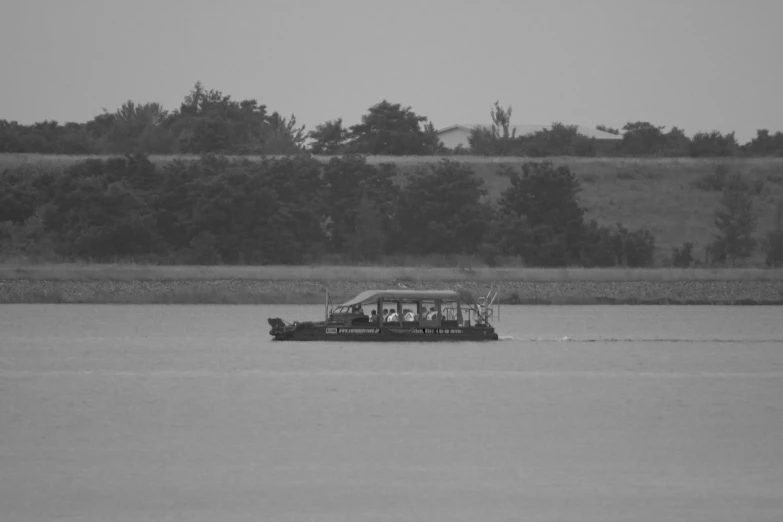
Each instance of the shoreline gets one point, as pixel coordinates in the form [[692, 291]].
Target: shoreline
[[257, 292]]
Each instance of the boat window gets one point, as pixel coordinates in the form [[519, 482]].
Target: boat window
[[428, 310], [389, 311]]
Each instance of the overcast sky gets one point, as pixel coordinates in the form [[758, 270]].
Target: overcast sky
[[699, 64]]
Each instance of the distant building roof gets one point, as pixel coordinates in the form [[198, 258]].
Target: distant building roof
[[523, 130]]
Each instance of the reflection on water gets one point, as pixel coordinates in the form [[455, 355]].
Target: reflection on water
[[580, 413]]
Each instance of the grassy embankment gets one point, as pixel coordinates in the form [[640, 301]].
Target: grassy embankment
[[655, 193], [359, 274], [71, 283]]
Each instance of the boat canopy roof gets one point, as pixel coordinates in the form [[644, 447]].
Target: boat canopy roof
[[371, 296]]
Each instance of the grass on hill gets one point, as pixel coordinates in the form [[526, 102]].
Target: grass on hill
[[654, 193]]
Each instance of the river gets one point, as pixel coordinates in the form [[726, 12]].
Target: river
[[607, 413]]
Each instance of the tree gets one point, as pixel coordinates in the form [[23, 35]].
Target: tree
[[102, 220], [610, 130], [736, 223], [636, 247], [440, 210], [602, 246], [772, 244], [675, 143], [28, 239], [18, 197], [558, 140], [481, 141], [495, 140], [642, 138], [713, 144], [546, 196], [283, 136], [616, 246], [501, 120], [344, 188], [102, 210], [682, 257], [348, 182], [233, 217], [210, 122], [258, 212], [138, 128], [765, 144], [329, 137], [368, 240], [394, 130]]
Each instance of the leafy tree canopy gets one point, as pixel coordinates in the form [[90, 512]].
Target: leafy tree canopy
[[392, 129]]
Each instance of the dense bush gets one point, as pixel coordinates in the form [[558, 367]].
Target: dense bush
[[736, 222], [765, 144], [715, 181], [682, 257], [772, 243], [617, 246]]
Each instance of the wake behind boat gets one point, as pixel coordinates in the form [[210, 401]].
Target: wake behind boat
[[397, 316]]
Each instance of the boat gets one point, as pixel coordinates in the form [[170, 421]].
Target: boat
[[398, 316]]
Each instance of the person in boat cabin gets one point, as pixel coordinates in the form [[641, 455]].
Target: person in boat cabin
[[407, 315], [392, 317], [373, 316], [385, 314], [433, 314]]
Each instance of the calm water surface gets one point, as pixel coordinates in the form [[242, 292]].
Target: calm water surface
[[581, 413]]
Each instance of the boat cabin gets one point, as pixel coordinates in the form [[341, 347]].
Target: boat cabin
[[405, 308]]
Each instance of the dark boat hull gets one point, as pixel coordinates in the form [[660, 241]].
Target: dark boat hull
[[374, 333]]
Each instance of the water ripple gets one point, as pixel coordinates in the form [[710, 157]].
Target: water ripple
[[633, 340], [387, 373]]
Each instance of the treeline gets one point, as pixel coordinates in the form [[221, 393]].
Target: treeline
[[208, 121], [296, 210], [639, 139]]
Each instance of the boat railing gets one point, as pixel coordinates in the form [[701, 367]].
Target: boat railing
[[486, 308], [450, 314]]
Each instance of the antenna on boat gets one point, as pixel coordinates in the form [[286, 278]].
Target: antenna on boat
[[484, 306], [490, 299]]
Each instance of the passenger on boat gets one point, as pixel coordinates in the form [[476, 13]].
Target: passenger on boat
[[433, 314], [392, 317], [407, 315], [373, 317]]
